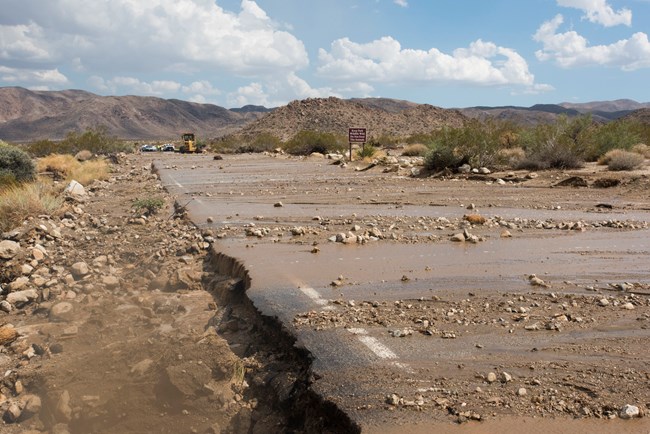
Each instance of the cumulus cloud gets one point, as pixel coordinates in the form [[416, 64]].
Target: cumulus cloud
[[598, 11], [273, 93], [385, 61], [402, 3], [122, 84], [43, 77], [118, 36], [570, 49]]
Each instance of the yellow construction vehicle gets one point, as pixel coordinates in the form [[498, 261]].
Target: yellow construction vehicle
[[189, 145]]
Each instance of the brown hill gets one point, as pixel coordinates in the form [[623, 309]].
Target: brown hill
[[335, 115], [642, 115], [618, 105], [32, 115]]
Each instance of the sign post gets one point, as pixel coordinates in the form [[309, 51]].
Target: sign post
[[356, 135]]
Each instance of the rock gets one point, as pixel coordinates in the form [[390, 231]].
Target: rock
[[75, 190], [38, 254], [111, 282], [22, 297], [63, 410], [629, 412], [475, 219], [500, 181], [5, 306], [79, 270], [210, 219], [392, 399], [31, 406], [628, 306], [62, 312], [465, 168], [536, 281], [19, 283], [8, 249], [12, 413], [484, 171], [522, 391], [8, 334], [278, 204], [26, 269], [458, 238], [505, 377], [189, 378], [491, 377], [603, 302], [506, 234], [142, 367]]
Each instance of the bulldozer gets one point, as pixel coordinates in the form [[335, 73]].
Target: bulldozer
[[189, 145]]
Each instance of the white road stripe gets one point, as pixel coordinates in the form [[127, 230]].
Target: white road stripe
[[380, 350], [314, 295]]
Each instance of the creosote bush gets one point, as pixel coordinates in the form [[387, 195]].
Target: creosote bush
[[95, 140], [15, 166], [308, 142], [367, 151]]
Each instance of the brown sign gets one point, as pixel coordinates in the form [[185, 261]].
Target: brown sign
[[357, 135]]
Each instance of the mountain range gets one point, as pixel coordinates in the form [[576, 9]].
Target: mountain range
[[27, 115]]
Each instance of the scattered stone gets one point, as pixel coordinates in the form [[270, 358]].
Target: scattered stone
[[8, 334], [522, 391], [9, 249], [278, 204], [629, 412], [79, 270], [62, 312], [505, 377], [20, 298], [63, 410], [458, 238], [12, 414], [75, 190], [603, 302], [491, 377], [536, 281]]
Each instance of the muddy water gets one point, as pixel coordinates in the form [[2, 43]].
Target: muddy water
[[286, 279]]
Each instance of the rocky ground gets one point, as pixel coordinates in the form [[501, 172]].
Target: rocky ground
[[105, 326], [113, 321]]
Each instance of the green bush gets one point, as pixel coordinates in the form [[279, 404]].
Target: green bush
[[415, 150], [149, 206], [367, 151], [15, 165], [307, 142], [443, 157], [559, 145], [620, 134], [95, 140]]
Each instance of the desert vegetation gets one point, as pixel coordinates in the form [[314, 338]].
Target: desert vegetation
[[95, 140], [23, 193]]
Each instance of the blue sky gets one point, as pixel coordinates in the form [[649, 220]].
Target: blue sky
[[449, 53]]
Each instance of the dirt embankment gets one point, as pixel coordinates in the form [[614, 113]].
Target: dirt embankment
[[105, 327]]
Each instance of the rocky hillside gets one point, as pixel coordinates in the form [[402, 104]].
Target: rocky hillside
[[337, 115], [32, 115], [642, 115]]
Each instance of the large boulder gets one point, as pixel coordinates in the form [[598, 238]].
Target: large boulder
[[8, 249]]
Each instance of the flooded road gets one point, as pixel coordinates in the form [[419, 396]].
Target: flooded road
[[404, 329]]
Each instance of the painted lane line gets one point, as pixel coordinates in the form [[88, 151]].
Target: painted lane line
[[314, 295], [380, 350]]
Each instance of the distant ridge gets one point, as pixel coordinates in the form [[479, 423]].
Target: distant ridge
[[27, 115]]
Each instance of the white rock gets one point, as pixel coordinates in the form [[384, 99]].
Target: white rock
[[629, 412], [79, 269], [8, 249], [75, 189], [22, 297]]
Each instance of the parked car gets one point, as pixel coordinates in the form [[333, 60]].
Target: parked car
[[168, 147], [148, 148]]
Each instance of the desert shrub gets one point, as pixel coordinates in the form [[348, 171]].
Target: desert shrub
[[149, 206], [415, 150], [61, 165], [559, 145], [620, 134], [44, 147], [15, 165], [227, 144], [307, 142], [94, 140], [21, 201], [510, 157], [619, 159], [367, 151], [83, 155], [89, 171], [384, 141], [443, 157], [261, 143], [641, 148]]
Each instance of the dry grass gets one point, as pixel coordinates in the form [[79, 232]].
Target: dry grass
[[642, 149], [67, 168], [619, 159], [21, 201], [510, 157], [415, 150]]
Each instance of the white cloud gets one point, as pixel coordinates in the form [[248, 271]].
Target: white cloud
[[276, 92], [402, 3], [598, 11], [118, 36], [42, 76], [570, 49], [385, 61], [123, 84]]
